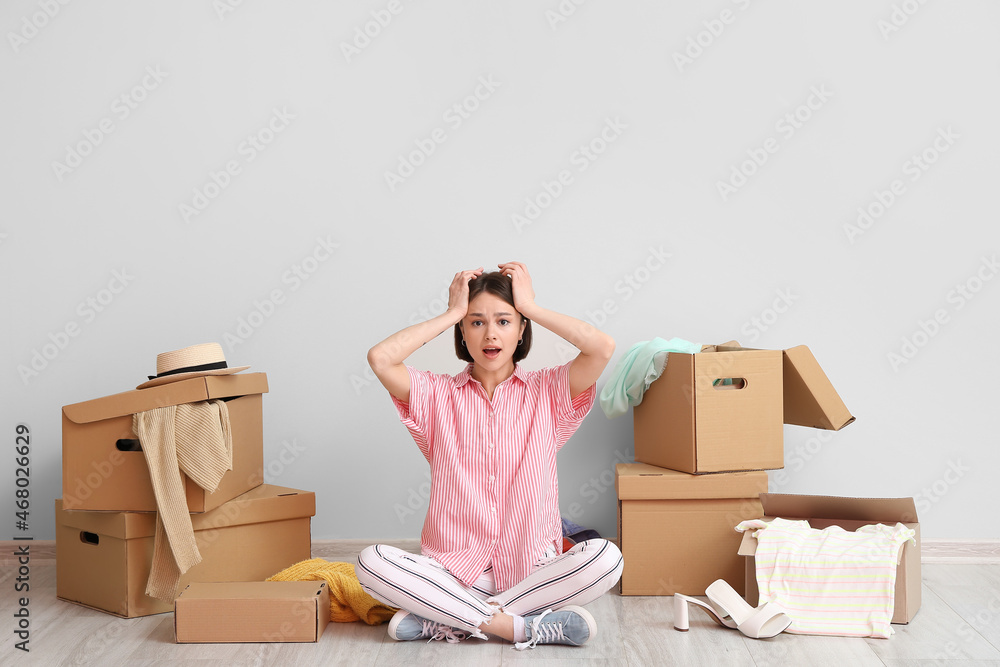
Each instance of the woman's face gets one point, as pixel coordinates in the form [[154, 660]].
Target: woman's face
[[491, 329]]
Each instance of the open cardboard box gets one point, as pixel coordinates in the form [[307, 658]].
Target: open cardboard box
[[252, 611], [722, 409], [850, 514], [675, 530], [104, 467], [103, 559]]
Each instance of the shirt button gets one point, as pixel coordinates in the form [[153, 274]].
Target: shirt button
[[493, 478], [491, 445], [493, 509]]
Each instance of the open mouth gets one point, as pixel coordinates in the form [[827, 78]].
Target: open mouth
[[491, 352]]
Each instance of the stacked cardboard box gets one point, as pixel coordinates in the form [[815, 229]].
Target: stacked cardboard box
[[245, 530], [706, 430]]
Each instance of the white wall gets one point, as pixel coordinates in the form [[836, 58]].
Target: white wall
[[881, 94]]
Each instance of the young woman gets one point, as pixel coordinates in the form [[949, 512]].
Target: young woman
[[492, 560]]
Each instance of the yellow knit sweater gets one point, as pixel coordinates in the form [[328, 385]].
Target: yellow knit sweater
[[348, 601]]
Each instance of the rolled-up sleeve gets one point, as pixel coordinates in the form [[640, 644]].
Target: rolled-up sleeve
[[569, 412], [415, 413]]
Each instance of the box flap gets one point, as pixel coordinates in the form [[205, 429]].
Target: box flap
[[264, 503], [172, 393], [871, 510], [641, 481], [748, 547], [809, 397]]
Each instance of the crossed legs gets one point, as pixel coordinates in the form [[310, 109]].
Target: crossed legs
[[423, 587]]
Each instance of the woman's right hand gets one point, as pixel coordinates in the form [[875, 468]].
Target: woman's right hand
[[458, 292]]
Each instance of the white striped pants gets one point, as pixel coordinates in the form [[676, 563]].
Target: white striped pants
[[422, 586]]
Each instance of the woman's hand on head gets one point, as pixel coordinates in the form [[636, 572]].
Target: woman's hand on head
[[524, 293], [458, 292]]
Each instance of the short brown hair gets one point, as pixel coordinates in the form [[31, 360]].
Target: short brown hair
[[499, 286]]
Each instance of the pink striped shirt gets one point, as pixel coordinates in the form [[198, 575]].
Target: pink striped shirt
[[494, 493]]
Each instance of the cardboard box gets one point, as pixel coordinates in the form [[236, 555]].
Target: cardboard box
[[103, 558], [677, 531], [255, 611], [723, 409], [104, 469], [850, 514]]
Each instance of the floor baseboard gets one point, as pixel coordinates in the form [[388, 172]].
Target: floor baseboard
[[967, 552], [960, 551]]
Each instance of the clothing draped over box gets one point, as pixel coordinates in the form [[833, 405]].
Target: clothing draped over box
[[636, 370], [830, 581], [193, 438]]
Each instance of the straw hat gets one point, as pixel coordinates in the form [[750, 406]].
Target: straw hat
[[190, 362]]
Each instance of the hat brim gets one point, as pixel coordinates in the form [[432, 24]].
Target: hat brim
[[167, 379]]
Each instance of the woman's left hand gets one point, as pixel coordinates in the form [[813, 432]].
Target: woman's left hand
[[524, 293]]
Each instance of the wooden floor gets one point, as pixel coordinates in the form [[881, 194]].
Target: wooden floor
[[958, 624]]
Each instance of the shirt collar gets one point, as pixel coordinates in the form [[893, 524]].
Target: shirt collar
[[465, 376]]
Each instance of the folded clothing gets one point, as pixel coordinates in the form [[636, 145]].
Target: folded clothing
[[830, 581]]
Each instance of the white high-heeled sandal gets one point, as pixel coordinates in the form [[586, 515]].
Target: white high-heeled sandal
[[763, 622], [681, 617]]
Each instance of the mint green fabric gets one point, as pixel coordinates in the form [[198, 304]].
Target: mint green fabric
[[636, 370]]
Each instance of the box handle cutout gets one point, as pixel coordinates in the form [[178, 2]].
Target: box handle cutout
[[89, 538], [127, 445], [729, 383]]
